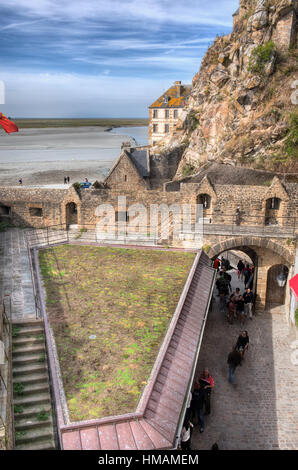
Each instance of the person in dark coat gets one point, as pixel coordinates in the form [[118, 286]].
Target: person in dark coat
[[240, 267], [197, 403], [242, 343], [234, 360]]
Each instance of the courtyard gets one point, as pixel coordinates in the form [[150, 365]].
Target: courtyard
[[109, 309]]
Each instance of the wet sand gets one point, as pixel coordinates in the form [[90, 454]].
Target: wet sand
[[47, 155]]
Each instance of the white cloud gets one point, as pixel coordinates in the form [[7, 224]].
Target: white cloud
[[63, 95]]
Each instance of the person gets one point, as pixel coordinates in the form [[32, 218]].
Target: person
[[215, 446], [240, 309], [231, 309], [186, 435], [251, 278], [208, 388], [238, 217], [234, 360], [240, 267], [68, 179], [242, 343], [65, 180], [222, 302], [247, 274], [237, 294], [20, 180], [248, 298], [216, 264], [197, 404]]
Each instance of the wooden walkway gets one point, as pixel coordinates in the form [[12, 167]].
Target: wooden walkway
[[155, 424]]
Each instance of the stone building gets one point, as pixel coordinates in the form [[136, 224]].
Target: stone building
[[166, 110], [266, 203]]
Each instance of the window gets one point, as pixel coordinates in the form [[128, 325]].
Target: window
[[5, 210], [166, 128], [155, 114], [35, 211], [125, 177], [155, 128], [205, 200], [274, 203], [167, 114], [175, 113]]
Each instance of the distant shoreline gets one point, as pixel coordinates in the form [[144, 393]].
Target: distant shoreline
[[100, 122]]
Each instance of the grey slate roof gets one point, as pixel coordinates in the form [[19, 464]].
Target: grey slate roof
[[141, 161]]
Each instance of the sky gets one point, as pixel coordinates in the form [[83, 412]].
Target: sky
[[102, 58]]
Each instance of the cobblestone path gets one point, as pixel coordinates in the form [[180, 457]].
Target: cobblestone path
[[261, 411]]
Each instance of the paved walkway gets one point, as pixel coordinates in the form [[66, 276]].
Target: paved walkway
[[261, 411], [15, 276]]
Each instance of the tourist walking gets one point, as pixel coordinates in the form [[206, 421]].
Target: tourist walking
[[216, 264], [20, 180], [234, 360], [242, 343], [240, 309], [240, 267], [205, 376], [231, 309], [68, 179], [186, 435], [248, 299], [197, 403], [65, 180]]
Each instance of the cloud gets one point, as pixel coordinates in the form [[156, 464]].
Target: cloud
[[120, 48]]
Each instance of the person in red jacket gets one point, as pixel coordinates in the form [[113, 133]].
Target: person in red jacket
[[208, 379]]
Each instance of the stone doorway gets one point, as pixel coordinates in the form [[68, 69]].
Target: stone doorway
[[276, 293], [71, 214]]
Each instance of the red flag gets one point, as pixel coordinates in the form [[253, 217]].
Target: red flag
[[8, 125], [294, 285]]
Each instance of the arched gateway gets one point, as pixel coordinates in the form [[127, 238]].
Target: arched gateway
[[265, 254]]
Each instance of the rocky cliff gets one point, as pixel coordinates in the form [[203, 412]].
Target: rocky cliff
[[242, 107]]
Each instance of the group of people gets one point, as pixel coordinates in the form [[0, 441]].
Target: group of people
[[66, 179], [198, 404], [199, 400], [234, 304]]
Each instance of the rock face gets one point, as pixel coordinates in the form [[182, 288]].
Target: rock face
[[240, 107]]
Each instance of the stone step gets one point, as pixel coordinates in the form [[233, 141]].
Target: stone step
[[27, 341], [30, 389], [27, 369], [28, 330], [26, 324], [33, 399], [31, 423], [34, 378], [31, 411], [46, 445], [25, 351], [35, 435], [28, 359]]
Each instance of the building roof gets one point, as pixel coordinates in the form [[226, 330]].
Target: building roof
[[141, 161], [174, 97], [236, 12], [158, 418]]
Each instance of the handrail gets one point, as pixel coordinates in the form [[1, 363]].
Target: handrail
[[6, 321], [37, 308]]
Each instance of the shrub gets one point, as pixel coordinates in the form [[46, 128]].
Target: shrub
[[260, 56], [187, 169], [291, 143], [77, 187]]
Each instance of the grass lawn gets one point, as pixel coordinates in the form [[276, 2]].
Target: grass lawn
[[109, 309]]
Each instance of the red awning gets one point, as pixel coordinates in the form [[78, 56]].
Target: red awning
[[294, 285]]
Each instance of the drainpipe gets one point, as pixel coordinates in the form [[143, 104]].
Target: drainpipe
[[194, 367]]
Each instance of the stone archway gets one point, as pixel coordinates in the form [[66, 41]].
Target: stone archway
[[268, 254], [247, 242], [71, 210]]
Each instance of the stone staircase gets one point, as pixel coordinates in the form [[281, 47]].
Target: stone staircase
[[33, 419]]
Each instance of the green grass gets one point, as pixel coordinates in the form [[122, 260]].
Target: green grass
[[125, 298], [113, 122]]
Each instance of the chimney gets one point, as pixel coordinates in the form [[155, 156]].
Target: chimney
[[178, 88]]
